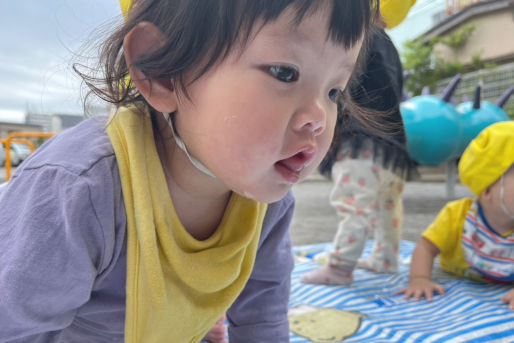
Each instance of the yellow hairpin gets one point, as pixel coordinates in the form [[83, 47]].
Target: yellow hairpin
[[395, 11], [125, 6]]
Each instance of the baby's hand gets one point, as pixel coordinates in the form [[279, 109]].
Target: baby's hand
[[422, 287], [509, 299], [218, 332]]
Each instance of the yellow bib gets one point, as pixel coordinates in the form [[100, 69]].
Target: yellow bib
[[177, 287]]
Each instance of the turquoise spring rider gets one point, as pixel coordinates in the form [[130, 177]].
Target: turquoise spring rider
[[432, 126], [478, 114], [438, 132]]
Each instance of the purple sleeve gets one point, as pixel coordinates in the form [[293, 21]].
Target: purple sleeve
[[260, 312], [51, 249]]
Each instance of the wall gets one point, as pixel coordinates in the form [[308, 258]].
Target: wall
[[493, 39]]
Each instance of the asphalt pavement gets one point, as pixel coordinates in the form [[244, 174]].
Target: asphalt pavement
[[315, 221]]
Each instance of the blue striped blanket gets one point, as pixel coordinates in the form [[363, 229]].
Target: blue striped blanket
[[469, 312]]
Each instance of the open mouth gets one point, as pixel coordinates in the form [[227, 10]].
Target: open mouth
[[291, 168]]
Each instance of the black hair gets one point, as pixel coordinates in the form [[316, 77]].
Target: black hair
[[203, 32]]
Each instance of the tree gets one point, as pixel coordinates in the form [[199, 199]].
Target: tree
[[425, 69]]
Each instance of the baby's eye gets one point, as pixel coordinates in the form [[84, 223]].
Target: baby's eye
[[334, 94], [284, 74]]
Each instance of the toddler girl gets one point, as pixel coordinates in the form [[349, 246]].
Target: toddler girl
[[148, 226]]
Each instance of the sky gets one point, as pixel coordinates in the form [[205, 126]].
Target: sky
[[419, 20], [39, 39]]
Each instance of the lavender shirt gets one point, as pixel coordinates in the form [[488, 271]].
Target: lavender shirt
[[63, 250]]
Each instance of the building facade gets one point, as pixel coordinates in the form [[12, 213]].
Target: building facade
[[7, 127], [492, 39]]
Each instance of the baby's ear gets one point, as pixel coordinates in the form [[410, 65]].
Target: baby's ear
[[143, 39], [486, 193]]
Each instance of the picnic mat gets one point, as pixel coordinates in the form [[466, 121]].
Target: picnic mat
[[367, 311]]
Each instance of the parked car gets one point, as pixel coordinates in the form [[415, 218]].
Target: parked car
[[2, 155], [21, 152]]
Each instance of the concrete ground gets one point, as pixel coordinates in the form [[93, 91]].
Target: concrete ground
[[315, 220]]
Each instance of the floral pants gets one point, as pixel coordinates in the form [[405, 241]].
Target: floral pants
[[368, 201]]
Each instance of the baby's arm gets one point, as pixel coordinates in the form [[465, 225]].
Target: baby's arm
[[48, 261], [509, 299], [421, 283], [259, 314]]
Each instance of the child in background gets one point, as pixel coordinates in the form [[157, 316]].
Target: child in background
[[474, 237], [368, 170], [148, 226]]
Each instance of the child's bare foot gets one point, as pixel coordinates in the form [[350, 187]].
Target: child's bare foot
[[366, 264], [329, 275], [378, 266], [218, 332]]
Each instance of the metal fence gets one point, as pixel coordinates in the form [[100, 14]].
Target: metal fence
[[495, 82]]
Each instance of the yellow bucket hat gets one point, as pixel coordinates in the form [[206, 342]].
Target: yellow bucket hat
[[488, 156], [395, 11]]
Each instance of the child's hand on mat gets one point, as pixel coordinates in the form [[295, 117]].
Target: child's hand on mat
[[509, 299], [422, 287]]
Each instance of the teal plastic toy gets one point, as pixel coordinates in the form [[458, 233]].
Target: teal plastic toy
[[477, 115], [438, 132], [432, 126]]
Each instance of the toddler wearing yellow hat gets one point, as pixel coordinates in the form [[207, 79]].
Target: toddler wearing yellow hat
[[474, 237]]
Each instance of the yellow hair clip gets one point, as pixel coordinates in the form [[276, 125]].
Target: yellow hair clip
[[125, 6], [395, 11]]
